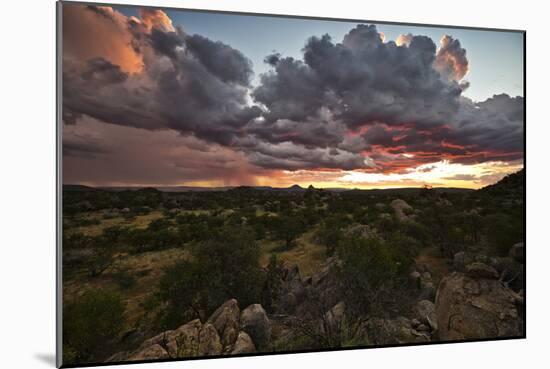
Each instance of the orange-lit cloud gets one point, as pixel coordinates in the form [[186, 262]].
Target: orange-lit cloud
[[154, 18], [90, 32], [451, 59], [404, 39]]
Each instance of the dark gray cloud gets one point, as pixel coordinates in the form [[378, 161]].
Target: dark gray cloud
[[495, 124], [101, 71], [399, 98], [225, 62], [361, 80], [292, 91], [289, 156], [165, 43], [379, 134]]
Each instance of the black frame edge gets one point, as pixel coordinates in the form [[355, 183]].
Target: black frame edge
[[59, 129]]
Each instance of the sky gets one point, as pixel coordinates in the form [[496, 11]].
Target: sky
[[166, 98]]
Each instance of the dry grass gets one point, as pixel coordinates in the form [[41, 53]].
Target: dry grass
[[146, 267], [140, 221], [308, 255]]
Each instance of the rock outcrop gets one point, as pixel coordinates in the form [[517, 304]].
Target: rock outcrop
[[401, 208], [227, 331], [292, 289], [191, 339], [226, 321], [243, 344], [471, 304], [480, 270], [333, 318], [255, 322], [469, 307], [153, 352], [394, 331], [426, 314], [421, 278]]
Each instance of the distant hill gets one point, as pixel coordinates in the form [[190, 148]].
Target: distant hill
[[294, 189], [410, 190], [77, 187]]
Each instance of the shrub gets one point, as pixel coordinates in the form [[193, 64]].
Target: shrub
[[288, 228], [273, 282], [223, 267], [124, 279], [503, 231], [369, 269], [330, 233], [89, 323]]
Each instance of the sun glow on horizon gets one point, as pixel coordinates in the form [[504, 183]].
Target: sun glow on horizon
[[439, 174]]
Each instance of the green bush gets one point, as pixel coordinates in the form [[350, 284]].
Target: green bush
[[223, 267], [503, 231], [330, 233], [288, 228], [124, 279], [370, 268], [272, 283], [89, 323]]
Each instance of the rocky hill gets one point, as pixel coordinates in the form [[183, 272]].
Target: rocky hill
[[471, 302], [228, 331], [513, 185]]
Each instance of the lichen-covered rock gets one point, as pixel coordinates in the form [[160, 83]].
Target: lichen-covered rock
[[243, 344], [209, 341], [153, 352], [401, 209], [427, 287], [459, 261], [226, 321], [426, 313], [415, 278], [468, 308], [183, 341], [481, 270], [394, 331], [191, 339], [255, 322], [333, 319]]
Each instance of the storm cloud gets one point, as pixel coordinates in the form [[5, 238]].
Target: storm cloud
[[189, 84], [360, 103], [394, 99], [361, 80]]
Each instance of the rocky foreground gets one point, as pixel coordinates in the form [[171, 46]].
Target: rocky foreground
[[480, 298]]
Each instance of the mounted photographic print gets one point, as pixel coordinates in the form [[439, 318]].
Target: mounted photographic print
[[240, 184]]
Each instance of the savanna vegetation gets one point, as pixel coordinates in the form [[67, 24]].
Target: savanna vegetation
[[139, 262]]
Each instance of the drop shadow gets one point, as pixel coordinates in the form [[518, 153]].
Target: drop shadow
[[46, 358]]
